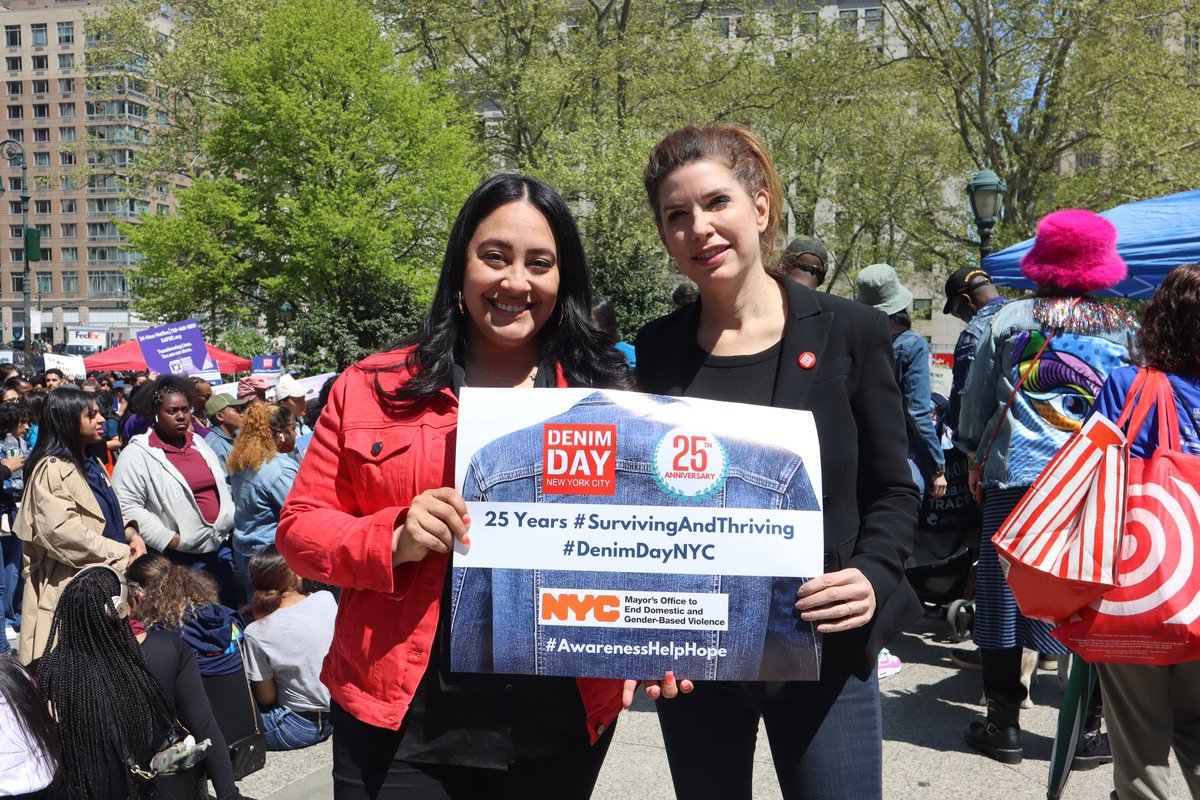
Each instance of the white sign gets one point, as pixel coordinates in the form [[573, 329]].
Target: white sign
[[72, 366]]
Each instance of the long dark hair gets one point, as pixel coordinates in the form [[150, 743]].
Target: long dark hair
[[59, 431], [271, 577], [18, 691], [569, 338], [95, 677]]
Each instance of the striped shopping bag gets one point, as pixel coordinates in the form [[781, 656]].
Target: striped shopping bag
[[1059, 547]]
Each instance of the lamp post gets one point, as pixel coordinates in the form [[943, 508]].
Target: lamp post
[[287, 313], [985, 191], [13, 152]]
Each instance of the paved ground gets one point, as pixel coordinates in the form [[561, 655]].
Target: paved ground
[[925, 709]]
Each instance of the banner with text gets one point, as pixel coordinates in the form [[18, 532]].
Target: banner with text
[[621, 535], [176, 348]]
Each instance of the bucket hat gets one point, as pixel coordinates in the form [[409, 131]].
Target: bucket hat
[[879, 286]]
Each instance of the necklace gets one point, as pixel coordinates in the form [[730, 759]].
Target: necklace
[[505, 378]]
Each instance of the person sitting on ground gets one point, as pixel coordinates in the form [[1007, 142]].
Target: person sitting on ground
[[28, 736], [116, 702], [285, 646]]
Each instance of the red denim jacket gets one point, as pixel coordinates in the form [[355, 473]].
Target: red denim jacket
[[365, 464]]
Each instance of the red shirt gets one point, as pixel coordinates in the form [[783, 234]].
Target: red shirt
[[195, 471]]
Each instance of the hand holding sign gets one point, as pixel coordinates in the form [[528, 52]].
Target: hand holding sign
[[839, 600], [434, 520]]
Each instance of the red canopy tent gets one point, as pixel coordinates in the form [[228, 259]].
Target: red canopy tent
[[129, 356]]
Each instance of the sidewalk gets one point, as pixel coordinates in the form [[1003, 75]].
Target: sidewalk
[[925, 709]]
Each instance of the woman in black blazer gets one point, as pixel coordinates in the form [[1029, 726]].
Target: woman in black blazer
[[757, 337]]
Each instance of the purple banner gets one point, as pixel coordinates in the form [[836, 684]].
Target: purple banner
[[177, 348]]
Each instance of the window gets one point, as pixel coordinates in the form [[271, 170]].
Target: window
[[107, 284], [66, 109], [66, 134], [66, 182], [14, 232], [12, 63], [14, 206], [162, 210], [160, 117], [66, 206], [41, 134], [66, 159], [45, 280], [808, 21], [873, 19], [17, 255], [14, 88], [70, 280], [66, 230], [66, 60], [41, 62], [70, 254], [16, 134], [12, 35], [16, 112], [41, 206], [37, 34], [66, 85], [848, 19], [922, 308], [43, 230], [14, 184], [41, 110], [41, 159], [41, 86], [17, 280], [66, 32], [41, 183]]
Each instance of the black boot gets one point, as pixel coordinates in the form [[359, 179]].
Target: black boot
[[1093, 748], [999, 736]]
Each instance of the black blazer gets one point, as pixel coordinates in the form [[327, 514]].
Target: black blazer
[[870, 500]]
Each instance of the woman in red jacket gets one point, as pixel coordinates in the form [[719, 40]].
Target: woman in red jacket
[[373, 511]]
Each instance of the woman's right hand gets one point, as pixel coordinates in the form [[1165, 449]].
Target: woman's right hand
[[435, 518], [14, 463]]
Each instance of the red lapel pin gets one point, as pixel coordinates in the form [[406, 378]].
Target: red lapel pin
[[807, 360]]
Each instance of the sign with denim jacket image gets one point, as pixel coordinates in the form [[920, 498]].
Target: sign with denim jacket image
[[621, 535]]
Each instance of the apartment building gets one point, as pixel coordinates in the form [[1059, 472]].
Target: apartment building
[[78, 139]]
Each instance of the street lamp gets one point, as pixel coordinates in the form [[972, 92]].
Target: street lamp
[[985, 191], [13, 152], [287, 313]]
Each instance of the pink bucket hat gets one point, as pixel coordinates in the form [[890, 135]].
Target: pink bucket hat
[[1074, 251], [253, 386]]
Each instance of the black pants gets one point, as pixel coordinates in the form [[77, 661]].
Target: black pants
[[365, 768], [1004, 691]]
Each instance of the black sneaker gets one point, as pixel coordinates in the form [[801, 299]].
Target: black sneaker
[[1001, 744], [966, 659], [1093, 750]]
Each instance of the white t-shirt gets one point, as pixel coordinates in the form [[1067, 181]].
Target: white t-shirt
[[24, 768], [289, 646]]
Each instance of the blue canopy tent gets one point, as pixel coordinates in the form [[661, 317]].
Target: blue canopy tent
[[1153, 236]]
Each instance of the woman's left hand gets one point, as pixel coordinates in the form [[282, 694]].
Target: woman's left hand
[[668, 688], [137, 545], [839, 601]]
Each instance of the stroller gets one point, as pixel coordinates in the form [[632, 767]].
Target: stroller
[[942, 566]]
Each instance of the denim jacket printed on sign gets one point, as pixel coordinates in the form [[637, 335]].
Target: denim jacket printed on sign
[[765, 640]]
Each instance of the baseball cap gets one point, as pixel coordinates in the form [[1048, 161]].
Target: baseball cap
[[807, 244], [288, 387], [119, 385], [220, 402], [962, 281]]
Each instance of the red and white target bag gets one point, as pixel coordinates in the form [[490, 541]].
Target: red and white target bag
[[1153, 614]]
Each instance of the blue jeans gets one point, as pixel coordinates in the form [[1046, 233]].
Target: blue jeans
[[287, 730], [219, 565], [10, 581], [826, 738]]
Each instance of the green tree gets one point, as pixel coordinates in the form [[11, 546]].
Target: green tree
[[244, 341], [330, 179]]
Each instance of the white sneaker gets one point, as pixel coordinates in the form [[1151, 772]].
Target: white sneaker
[[11, 635], [889, 664]]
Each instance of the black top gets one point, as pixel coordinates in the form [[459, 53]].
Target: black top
[[490, 721], [737, 379], [835, 361], [174, 667]]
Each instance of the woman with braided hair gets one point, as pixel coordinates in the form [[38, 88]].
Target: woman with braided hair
[[173, 484], [116, 701]]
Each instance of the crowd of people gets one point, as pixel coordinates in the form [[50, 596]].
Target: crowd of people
[[194, 583]]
